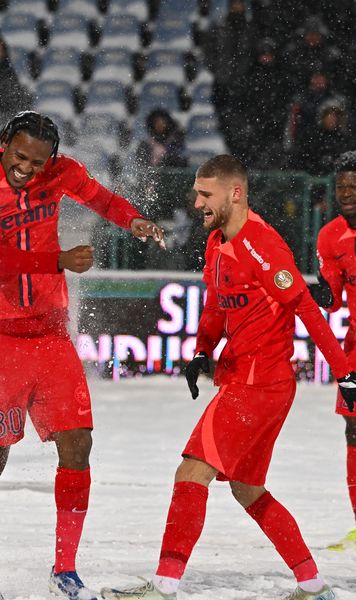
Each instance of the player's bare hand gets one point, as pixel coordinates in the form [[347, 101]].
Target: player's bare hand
[[78, 259], [142, 229]]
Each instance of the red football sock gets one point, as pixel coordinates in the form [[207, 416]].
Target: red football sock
[[71, 492], [351, 475], [184, 525], [281, 528]]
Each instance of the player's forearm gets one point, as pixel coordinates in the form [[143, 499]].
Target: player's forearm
[[14, 261], [116, 209], [210, 331], [320, 332]]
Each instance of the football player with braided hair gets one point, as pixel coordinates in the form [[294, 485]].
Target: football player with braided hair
[[40, 371], [336, 250]]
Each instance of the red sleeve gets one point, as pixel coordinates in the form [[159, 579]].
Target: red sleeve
[[276, 270], [211, 324], [14, 261], [83, 187], [320, 332], [273, 264], [330, 270], [116, 209]]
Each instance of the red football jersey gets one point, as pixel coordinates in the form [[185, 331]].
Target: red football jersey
[[254, 290], [28, 222], [336, 248], [13, 261]]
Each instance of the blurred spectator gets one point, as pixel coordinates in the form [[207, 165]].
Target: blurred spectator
[[340, 18], [228, 51], [13, 96], [319, 146], [312, 47], [267, 102], [164, 146], [303, 111], [278, 18]]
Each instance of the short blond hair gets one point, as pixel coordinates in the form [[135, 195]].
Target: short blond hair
[[223, 166]]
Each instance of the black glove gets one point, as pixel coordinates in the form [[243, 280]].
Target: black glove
[[347, 387], [199, 363], [321, 292]]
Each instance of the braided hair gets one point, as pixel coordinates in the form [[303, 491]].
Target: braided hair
[[346, 162], [38, 126]]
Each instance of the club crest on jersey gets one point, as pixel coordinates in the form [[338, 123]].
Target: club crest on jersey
[[283, 279], [227, 277]]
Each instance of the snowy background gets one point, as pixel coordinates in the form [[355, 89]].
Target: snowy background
[[141, 427]]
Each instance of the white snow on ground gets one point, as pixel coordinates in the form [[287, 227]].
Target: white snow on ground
[[141, 427]]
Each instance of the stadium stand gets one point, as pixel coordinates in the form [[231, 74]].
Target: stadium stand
[[70, 29], [35, 7], [108, 62], [201, 99], [160, 94], [165, 65], [55, 97], [62, 64], [121, 31], [113, 64], [137, 8], [203, 132], [172, 32], [178, 10], [122, 58], [88, 8], [20, 29], [110, 128], [106, 96]]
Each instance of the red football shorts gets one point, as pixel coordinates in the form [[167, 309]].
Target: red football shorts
[[350, 350], [237, 432], [44, 377]]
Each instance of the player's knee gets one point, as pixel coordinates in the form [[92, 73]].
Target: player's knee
[[74, 448], [195, 470], [350, 431], [4, 453], [246, 494]]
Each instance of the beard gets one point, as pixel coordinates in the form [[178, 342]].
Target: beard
[[219, 217]]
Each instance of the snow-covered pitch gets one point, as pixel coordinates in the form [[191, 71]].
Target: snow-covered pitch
[[141, 426]]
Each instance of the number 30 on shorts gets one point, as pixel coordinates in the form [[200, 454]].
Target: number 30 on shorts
[[11, 421]]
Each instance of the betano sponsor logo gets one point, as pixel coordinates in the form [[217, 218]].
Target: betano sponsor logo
[[38, 213], [232, 301]]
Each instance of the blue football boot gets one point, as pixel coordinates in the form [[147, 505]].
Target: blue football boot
[[69, 585]]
